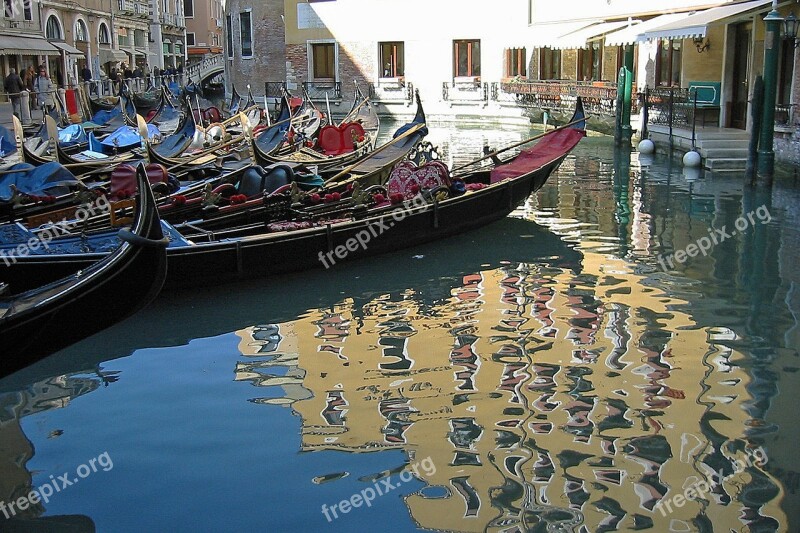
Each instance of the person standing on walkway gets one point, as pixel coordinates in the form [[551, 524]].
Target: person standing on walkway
[[44, 91], [13, 86]]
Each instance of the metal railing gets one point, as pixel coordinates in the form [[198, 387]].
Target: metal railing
[[274, 89], [318, 89], [598, 97], [465, 92], [203, 68], [396, 90]]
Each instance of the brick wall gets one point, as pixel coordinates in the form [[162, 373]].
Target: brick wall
[[269, 56], [357, 61], [296, 64]]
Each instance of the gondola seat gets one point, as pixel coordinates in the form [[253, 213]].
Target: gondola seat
[[123, 180], [211, 115], [408, 179], [336, 140], [258, 180]]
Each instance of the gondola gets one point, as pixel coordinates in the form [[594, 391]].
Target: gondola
[[197, 256], [336, 146], [90, 297]]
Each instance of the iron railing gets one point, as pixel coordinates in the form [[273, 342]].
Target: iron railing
[[465, 92], [598, 97], [318, 89], [274, 89], [397, 90]]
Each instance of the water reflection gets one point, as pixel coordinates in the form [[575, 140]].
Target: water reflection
[[556, 375], [544, 397]]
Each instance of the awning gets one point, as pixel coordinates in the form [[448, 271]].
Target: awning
[[543, 35], [578, 39], [16, 44], [69, 49], [696, 25], [633, 33], [112, 55], [142, 52]]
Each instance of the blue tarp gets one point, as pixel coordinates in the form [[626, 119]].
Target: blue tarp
[[48, 179], [7, 143], [72, 135], [128, 136], [103, 117]]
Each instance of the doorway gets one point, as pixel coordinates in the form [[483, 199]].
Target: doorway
[[741, 75]]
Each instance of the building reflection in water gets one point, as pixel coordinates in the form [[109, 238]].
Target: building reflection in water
[[543, 395], [16, 450]]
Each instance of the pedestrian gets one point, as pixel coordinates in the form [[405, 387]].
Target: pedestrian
[[86, 73], [127, 72], [13, 86], [137, 72], [44, 91]]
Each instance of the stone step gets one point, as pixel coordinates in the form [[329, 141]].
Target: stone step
[[723, 153], [716, 164], [701, 135], [708, 144]]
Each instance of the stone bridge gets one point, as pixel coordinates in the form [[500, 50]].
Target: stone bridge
[[205, 69]]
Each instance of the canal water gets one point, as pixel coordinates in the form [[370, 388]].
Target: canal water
[[560, 370]]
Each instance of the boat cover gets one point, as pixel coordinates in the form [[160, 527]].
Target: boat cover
[[7, 143], [45, 180], [549, 148], [128, 136]]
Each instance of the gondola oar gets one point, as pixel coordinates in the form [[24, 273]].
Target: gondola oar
[[520, 143]]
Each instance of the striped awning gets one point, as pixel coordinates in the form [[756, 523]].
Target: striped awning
[[580, 38], [635, 32], [26, 45], [696, 25], [69, 49]]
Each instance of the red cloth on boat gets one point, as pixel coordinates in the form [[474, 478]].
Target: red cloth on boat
[[335, 140], [407, 179], [549, 148]]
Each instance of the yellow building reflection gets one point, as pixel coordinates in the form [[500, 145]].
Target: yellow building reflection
[[544, 396]]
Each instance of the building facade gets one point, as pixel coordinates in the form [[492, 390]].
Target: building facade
[[204, 23], [168, 34]]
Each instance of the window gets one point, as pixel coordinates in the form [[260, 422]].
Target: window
[[80, 31], [102, 34], [188, 8], [26, 9], [178, 48], [53, 28], [323, 59], [166, 48], [668, 62], [467, 58], [229, 32], [549, 64], [189, 39], [9, 9], [590, 61], [392, 60], [515, 62], [246, 31], [139, 39]]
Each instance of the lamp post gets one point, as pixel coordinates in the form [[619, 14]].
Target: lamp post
[[766, 155]]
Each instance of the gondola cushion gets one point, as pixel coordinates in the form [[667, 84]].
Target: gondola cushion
[[123, 179], [335, 140], [407, 179]]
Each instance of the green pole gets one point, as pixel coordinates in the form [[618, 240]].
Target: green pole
[[627, 132], [766, 156], [619, 104]]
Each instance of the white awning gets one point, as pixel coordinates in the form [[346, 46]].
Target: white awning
[[633, 33], [142, 52], [107, 55], [16, 44], [543, 35], [69, 49], [579, 38], [696, 25]]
